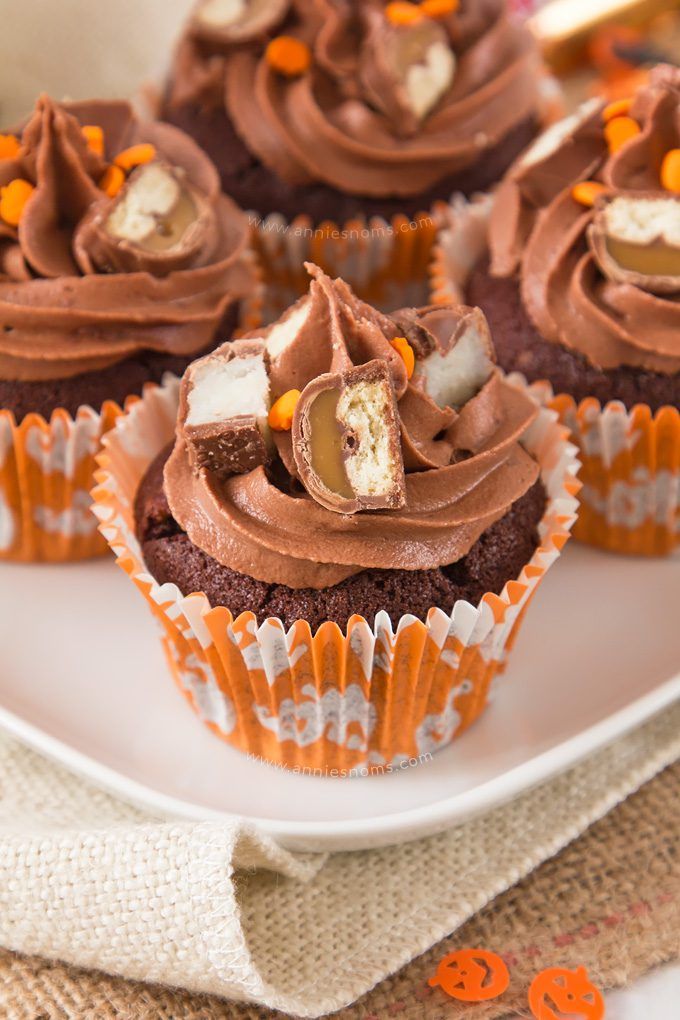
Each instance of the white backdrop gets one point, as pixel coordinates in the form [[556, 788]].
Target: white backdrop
[[80, 49]]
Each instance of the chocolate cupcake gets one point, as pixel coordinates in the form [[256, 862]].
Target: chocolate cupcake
[[120, 260], [346, 472], [582, 288], [328, 113]]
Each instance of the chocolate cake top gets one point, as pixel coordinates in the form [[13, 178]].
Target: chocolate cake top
[[589, 221], [340, 438], [369, 97], [114, 238]]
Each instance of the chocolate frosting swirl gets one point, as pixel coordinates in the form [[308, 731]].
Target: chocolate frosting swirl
[[66, 304], [540, 233], [464, 467], [344, 122]]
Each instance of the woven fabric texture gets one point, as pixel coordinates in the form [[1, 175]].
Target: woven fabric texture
[[219, 909], [610, 901]]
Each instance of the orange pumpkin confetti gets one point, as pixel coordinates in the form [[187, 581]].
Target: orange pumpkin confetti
[[587, 192], [405, 352], [288, 55], [400, 12], [282, 411], [136, 155], [619, 108], [112, 181], [13, 199], [557, 991], [620, 130], [94, 136], [471, 975], [439, 8], [670, 171], [9, 146]]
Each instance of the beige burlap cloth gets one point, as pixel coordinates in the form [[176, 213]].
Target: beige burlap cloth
[[218, 909]]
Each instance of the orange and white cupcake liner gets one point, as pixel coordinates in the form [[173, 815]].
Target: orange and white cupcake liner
[[630, 495], [385, 262], [47, 471], [370, 697]]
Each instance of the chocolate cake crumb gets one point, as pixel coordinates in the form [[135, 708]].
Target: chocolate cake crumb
[[497, 557], [117, 382], [254, 186], [521, 348]]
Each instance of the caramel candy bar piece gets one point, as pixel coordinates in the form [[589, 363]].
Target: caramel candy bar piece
[[225, 409], [636, 239], [346, 440], [236, 21], [454, 352]]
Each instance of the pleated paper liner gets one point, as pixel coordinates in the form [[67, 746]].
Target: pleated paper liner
[[630, 499], [386, 263], [373, 696], [47, 471]]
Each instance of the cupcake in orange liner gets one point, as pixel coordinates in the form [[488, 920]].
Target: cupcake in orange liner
[[120, 261], [345, 126], [577, 267], [339, 522]]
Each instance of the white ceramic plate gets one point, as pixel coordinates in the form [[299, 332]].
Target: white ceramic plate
[[598, 654]]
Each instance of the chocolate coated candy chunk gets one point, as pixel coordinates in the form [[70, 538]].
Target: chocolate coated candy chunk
[[346, 440], [223, 409], [636, 239]]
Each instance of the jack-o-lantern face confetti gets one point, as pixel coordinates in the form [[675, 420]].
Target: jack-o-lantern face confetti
[[472, 975], [558, 992]]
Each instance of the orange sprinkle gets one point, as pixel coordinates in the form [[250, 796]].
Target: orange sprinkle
[[670, 171], [439, 8], [112, 181], [94, 136], [405, 352], [400, 12], [288, 55], [282, 411], [9, 146], [13, 199], [136, 155], [587, 192], [619, 108], [619, 131]]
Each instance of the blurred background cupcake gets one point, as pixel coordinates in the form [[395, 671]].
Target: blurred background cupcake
[[351, 121], [120, 260], [352, 495], [581, 287]]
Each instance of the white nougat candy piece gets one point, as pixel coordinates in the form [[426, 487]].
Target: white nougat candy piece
[[347, 440], [454, 351], [635, 238], [237, 20], [427, 79], [154, 210], [405, 69], [224, 409]]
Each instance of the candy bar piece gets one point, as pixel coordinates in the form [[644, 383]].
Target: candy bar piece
[[346, 440], [406, 69], [236, 20], [454, 352], [154, 210], [566, 152], [636, 239], [224, 409]]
